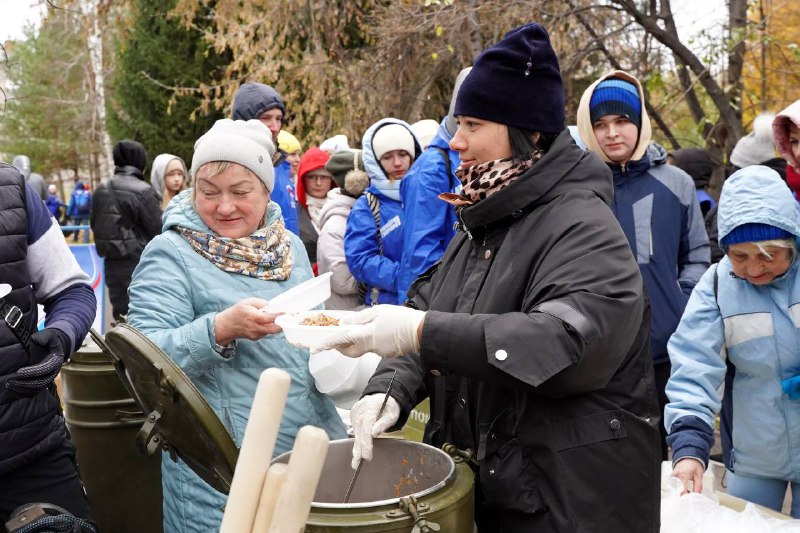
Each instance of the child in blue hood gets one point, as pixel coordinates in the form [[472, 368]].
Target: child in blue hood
[[740, 328], [373, 242]]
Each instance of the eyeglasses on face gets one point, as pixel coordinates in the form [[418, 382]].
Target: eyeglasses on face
[[319, 178]]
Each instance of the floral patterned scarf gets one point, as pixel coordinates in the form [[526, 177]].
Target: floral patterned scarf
[[266, 254], [483, 180]]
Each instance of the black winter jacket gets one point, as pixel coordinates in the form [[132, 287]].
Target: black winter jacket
[[539, 327], [125, 216], [308, 233]]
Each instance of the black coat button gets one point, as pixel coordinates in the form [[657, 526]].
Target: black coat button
[[614, 424], [463, 403]]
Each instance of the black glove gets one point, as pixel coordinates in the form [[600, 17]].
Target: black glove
[[48, 349]]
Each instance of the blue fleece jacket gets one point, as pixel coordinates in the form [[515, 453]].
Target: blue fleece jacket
[[428, 221]]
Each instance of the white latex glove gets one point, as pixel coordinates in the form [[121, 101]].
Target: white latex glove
[[388, 330], [366, 424]]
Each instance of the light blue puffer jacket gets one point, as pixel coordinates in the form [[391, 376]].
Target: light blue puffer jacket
[[756, 328], [174, 295]]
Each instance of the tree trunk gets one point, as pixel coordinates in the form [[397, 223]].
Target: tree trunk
[[698, 114], [728, 106], [476, 43], [737, 23], [418, 102], [94, 41]]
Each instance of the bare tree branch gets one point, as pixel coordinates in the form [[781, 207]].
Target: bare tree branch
[[721, 100]]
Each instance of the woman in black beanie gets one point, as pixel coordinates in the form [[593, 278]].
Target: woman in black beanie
[[531, 335]]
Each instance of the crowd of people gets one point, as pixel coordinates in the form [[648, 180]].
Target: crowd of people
[[575, 302]]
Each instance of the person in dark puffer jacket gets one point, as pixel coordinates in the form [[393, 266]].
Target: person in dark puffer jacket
[[37, 457], [699, 164], [125, 217]]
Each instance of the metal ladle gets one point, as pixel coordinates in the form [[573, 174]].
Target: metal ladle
[[361, 461]]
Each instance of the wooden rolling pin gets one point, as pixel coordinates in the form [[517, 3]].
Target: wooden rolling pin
[[269, 496], [256, 452], [302, 476]]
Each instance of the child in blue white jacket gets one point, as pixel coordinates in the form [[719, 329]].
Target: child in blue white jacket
[[741, 328], [373, 242]]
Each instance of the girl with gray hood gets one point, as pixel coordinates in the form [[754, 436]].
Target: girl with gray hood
[[168, 177]]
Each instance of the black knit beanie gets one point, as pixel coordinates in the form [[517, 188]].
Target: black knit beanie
[[696, 162], [130, 153], [516, 82]]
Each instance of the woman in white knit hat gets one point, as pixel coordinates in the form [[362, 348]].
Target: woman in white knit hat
[[198, 294], [373, 242]]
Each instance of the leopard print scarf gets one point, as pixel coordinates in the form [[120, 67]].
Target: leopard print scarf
[[483, 180]]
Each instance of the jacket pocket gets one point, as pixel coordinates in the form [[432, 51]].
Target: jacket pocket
[[507, 477], [590, 429]]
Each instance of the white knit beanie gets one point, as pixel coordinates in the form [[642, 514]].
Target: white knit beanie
[[248, 143], [425, 130], [392, 137], [756, 147], [337, 143]]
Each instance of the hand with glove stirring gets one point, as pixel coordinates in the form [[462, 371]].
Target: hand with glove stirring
[[388, 330], [367, 425], [46, 357]]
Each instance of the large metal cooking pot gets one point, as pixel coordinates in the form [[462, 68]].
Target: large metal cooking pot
[[408, 486], [123, 486]]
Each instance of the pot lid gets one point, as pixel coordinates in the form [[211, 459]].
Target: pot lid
[[179, 420]]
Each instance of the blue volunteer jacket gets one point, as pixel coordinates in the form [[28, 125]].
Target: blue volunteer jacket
[[361, 246], [429, 221], [283, 194], [747, 336]]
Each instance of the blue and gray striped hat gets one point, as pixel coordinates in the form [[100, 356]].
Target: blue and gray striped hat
[[616, 97]]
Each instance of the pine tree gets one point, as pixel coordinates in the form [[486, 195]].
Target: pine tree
[[156, 59]]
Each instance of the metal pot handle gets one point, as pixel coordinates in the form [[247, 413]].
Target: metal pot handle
[[421, 524], [459, 455]]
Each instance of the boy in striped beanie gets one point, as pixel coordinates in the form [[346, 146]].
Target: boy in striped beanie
[[656, 205]]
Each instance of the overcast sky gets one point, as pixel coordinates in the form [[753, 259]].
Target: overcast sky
[[14, 14], [690, 16]]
